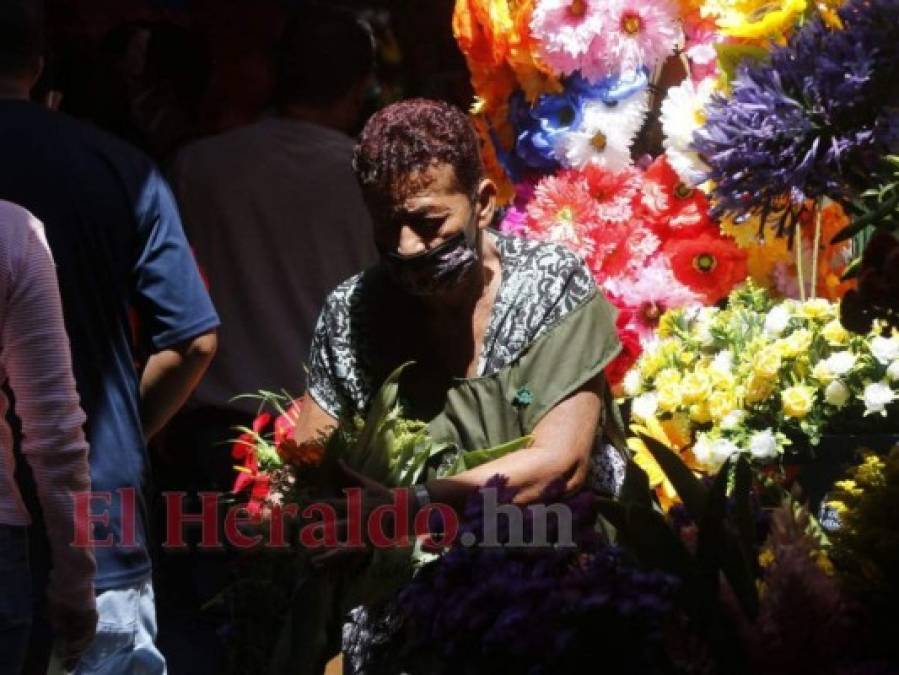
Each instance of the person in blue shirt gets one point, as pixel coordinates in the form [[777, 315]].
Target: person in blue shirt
[[116, 236]]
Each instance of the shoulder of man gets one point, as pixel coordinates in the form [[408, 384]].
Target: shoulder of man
[[554, 269]]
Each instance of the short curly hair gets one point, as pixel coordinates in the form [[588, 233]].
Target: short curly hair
[[408, 137]]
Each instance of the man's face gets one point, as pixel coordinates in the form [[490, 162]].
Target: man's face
[[429, 211]]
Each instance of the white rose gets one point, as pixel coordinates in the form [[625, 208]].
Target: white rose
[[632, 384], [840, 363], [723, 361], [776, 321], [702, 449], [885, 350], [893, 371], [645, 406], [721, 450], [877, 396], [836, 394], [732, 420], [763, 445]]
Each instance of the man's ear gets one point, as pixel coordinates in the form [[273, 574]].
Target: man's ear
[[486, 203]]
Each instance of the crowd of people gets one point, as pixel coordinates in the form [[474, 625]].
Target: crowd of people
[[176, 290]]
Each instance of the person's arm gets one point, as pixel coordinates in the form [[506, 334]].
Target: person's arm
[[176, 315], [169, 378], [37, 360], [563, 441]]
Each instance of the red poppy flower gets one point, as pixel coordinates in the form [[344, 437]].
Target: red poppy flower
[[627, 357], [709, 264], [671, 206]]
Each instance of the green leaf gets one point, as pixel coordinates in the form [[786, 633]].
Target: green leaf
[[742, 496], [852, 269], [688, 487], [873, 217], [730, 56], [635, 487], [384, 401]]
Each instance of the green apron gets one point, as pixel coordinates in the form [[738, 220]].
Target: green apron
[[485, 412]]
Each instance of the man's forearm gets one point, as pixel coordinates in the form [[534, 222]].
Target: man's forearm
[[169, 378]]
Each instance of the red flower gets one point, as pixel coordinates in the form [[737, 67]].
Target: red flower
[[284, 424], [671, 206], [627, 357], [709, 264]]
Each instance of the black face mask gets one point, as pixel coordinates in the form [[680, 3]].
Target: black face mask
[[436, 270]]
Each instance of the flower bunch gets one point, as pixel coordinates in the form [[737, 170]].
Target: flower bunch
[[599, 38], [758, 376], [647, 237], [536, 608], [811, 121], [866, 546]]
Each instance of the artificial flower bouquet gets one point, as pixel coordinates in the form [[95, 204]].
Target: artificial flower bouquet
[[759, 375]]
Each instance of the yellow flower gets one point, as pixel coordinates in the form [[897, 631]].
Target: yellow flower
[[678, 431], [835, 334], [766, 363], [822, 373], [667, 324], [669, 397], [819, 308], [766, 557], [795, 343], [695, 387], [721, 403], [757, 19], [699, 413], [797, 401], [758, 388], [650, 364]]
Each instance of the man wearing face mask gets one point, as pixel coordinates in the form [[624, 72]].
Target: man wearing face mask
[[468, 305]]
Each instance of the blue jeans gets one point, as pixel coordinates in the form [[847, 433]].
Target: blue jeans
[[15, 598], [126, 634]]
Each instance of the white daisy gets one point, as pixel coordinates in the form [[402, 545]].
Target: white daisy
[[605, 134], [683, 112]]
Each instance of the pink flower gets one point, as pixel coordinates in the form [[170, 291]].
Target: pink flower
[[648, 295], [562, 211], [621, 249], [566, 30], [635, 34], [701, 36], [515, 220], [613, 191]]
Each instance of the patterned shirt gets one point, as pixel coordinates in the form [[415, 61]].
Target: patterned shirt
[[541, 283]]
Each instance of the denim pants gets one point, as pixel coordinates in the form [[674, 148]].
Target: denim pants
[[15, 598], [126, 634]]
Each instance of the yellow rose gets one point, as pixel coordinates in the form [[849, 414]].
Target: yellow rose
[[835, 334], [721, 403], [796, 343], [758, 388], [650, 364], [797, 401], [669, 397], [699, 413], [822, 373], [819, 308], [695, 388], [766, 363]]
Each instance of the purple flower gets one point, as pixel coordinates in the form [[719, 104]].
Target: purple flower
[[813, 121]]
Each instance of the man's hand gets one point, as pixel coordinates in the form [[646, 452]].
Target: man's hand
[[75, 630]]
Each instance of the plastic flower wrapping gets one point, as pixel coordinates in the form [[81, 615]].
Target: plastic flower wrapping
[[760, 379]]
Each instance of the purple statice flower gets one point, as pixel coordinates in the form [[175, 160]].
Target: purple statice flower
[[530, 609], [813, 121]]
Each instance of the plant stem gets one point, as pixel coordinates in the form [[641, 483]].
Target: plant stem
[[817, 245], [800, 276]]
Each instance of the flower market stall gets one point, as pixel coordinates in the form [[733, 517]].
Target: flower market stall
[[754, 529]]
